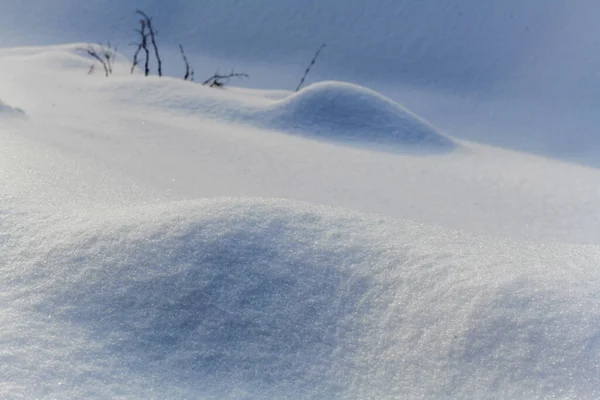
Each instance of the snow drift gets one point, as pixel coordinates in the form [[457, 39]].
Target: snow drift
[[331, 111], [347, 112], [243, 298]]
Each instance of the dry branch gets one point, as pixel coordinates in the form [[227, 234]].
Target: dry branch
[[188, 72], [218, 80], [109, 54], [312, 62], [143, 45], [92, 52], [153, 34]]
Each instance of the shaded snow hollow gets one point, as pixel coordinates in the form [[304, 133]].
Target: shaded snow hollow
[[238, 298], [6, 110]]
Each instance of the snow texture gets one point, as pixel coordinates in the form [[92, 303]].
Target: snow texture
[[266, 299]]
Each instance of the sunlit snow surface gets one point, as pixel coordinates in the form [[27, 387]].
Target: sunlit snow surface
[[147, 249]]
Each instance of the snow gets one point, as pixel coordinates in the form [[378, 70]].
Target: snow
[[161, 239], [352, 113], [328, 111], [252, 298]]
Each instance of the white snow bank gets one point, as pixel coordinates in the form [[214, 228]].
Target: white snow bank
[[347, 112], [272, 299]]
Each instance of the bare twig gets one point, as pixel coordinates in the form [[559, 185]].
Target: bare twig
[[218, 80], [135, 58], [312, 62], [92, 52], [109, 54], [143, 45], [152, 38], [188, 71]]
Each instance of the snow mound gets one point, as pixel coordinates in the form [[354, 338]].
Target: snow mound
[[351, 113], [238, 298]]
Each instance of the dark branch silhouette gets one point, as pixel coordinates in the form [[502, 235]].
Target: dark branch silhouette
[[143, 45], [92, 52], [218, 80], [153, 34], [109, 54], [312, 62], [188, 72]]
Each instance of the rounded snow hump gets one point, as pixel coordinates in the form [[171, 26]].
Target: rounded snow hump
[[353, 114]]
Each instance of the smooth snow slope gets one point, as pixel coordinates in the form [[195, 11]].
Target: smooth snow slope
[[125, 273], [273, 299], [329, 111]]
